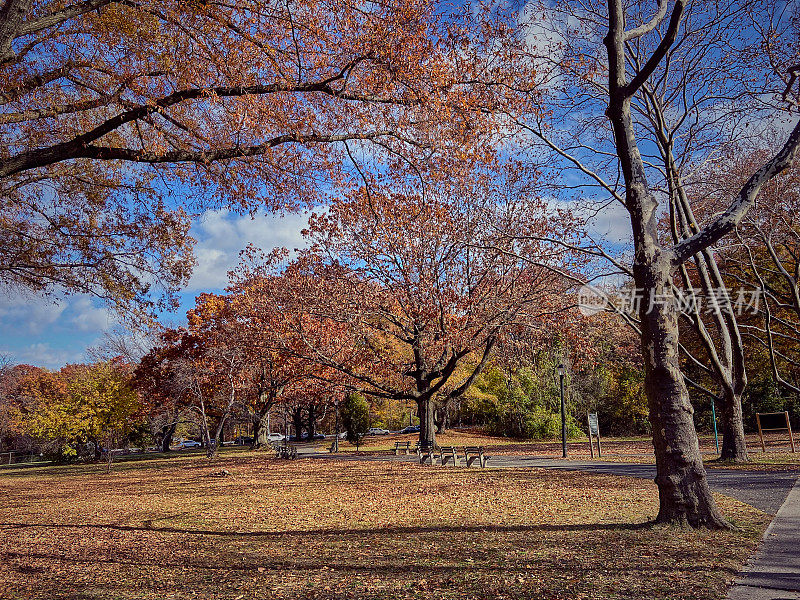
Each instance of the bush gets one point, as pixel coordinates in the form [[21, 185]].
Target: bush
[[355, 418], [514, 406]]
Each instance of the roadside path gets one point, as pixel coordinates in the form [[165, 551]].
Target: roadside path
[[773, 572]]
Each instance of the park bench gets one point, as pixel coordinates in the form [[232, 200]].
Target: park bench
[[284, 450], [402, 445], [429, 453], [473, 453], [448, 453]]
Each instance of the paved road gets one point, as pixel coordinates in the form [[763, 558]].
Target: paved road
[[766, 490]]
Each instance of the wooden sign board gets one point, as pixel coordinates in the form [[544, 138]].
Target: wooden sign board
[[594, 432], [594, 426], [778, 421]]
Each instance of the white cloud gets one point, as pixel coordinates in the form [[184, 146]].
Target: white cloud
[[85, 316], [222, 235], [29, 314], [606, 222], [611, 223]]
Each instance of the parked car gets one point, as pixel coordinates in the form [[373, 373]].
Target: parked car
[[304, 437], [190, 444], [243, 440], [377, 431], [276, 437], [410, 429]]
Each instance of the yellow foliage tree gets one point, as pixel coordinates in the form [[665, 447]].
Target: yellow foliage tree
[[80, 404]]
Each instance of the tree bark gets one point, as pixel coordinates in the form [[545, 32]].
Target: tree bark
[[684, 495], [166, 436], [311, 421], [220, 433], [260, 433], [438, 420], [98, 451], [734, 448], [297, 422], [427, 427]]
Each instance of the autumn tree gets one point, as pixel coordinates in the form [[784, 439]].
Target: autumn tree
[[672, 85], [419, 286], [764, 263], [280, 371], [13, 379], [80, 404], [163, 383], [115, 113]]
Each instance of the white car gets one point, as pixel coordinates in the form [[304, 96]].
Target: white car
[[377, 431], [276, 437], [190, 444]]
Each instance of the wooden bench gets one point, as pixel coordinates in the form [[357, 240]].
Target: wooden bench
[[448, 453], [430, 453], [284, 450], [402, 446], [473, 453]]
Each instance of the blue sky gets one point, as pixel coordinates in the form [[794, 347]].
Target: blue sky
[[54, 332]]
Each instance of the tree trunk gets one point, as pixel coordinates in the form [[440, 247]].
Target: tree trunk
[[215, 442], [166, 436], [220, 436], [311, 421], [206, 433], [684, 495], [441, 414], [260, 433], [734, 447], [427, 427], [297, 422]]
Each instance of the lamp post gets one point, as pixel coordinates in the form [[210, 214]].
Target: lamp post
[[335, 445], [285, 425], [561, 371]]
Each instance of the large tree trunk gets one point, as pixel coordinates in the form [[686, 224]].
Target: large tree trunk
[[734, 448], [297, 422], [438, 420], [684, 495], [98, 451], [441, 414], [311, 421], [220, 434], [427, 427], [166, 436], [260, 432]]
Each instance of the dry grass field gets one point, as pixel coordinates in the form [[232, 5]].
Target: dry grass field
[[334, 529]]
